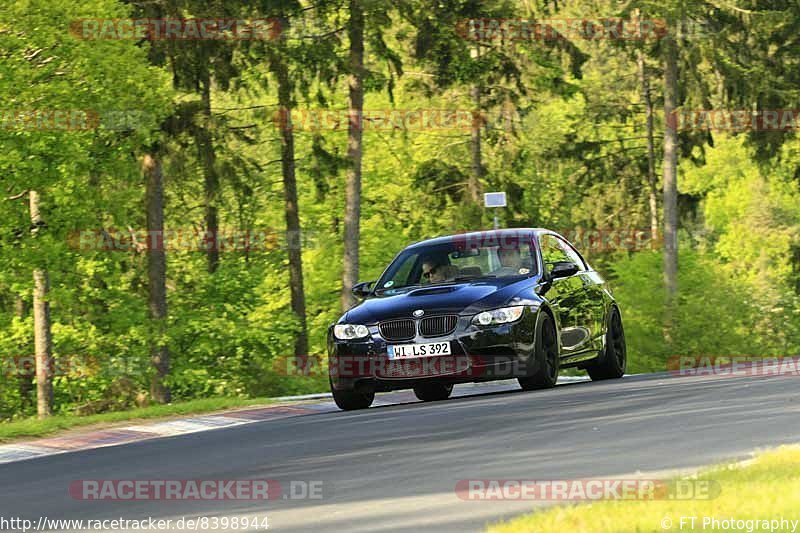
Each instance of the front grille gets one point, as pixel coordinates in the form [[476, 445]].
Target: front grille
[[436, 326], [397, 330]]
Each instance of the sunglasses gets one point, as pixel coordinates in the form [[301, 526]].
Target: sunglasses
[[429, 273]]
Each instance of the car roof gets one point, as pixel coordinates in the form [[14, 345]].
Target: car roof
[[485, 234]]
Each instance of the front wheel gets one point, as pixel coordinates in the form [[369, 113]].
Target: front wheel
[[348, 400], [614, 359], [433, 392], [546, 355]]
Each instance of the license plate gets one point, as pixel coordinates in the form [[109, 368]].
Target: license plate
[[405, 351]]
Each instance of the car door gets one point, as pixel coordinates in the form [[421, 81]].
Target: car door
[[568, 298], [594, 300]]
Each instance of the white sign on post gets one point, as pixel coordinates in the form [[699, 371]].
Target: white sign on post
[[494, 199]]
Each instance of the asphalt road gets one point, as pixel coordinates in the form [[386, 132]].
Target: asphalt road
[[395, 468]]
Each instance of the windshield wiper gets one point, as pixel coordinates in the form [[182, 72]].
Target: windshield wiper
[[468, 278]]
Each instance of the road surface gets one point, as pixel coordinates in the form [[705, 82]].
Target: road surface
[[395, 468]]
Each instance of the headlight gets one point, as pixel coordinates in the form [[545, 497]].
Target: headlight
[[348, 332], [498, 316]]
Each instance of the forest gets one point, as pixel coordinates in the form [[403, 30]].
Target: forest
[[189, 189]]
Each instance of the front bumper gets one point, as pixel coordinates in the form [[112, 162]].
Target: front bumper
[[478, 354]]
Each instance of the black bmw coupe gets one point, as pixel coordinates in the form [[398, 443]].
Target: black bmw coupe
[[481, 306]]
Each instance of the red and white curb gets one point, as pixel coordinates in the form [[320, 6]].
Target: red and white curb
[[113, 437], [11, 453]]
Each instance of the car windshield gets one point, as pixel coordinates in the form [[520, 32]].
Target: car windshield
[[458, 260]]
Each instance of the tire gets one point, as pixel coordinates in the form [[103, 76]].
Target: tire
[[614, 360], [433, 392], [351, 400], [546, 353]]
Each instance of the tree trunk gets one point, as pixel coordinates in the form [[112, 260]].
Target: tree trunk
[[25, 385], [293, 237], [796, 268], [352, 209], [43, 339], [20, 307], [208, 157], [670, 178], [156, 276], [651, 154], [474, 183]]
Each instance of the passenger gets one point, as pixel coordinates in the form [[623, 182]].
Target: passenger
[[511, 261]]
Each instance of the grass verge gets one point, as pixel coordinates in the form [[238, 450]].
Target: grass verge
[[33, 427], [766, 489]]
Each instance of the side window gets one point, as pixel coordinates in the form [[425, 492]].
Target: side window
[[401, 276], [573, 255], [552, 252]]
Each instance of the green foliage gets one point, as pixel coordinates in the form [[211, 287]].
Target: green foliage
[[230, 329], [564, 136], [715, 315]]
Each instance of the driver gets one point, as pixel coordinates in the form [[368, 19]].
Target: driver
[[435, 272]]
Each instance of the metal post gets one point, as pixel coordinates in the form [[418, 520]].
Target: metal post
[[494, 200]]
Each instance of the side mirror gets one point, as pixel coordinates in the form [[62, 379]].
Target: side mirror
[[363, 289], [563, 269]]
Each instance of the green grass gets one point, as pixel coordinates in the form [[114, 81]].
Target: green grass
[[33, 427], [767, 489]]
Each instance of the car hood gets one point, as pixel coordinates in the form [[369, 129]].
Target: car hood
[[455, 298]]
